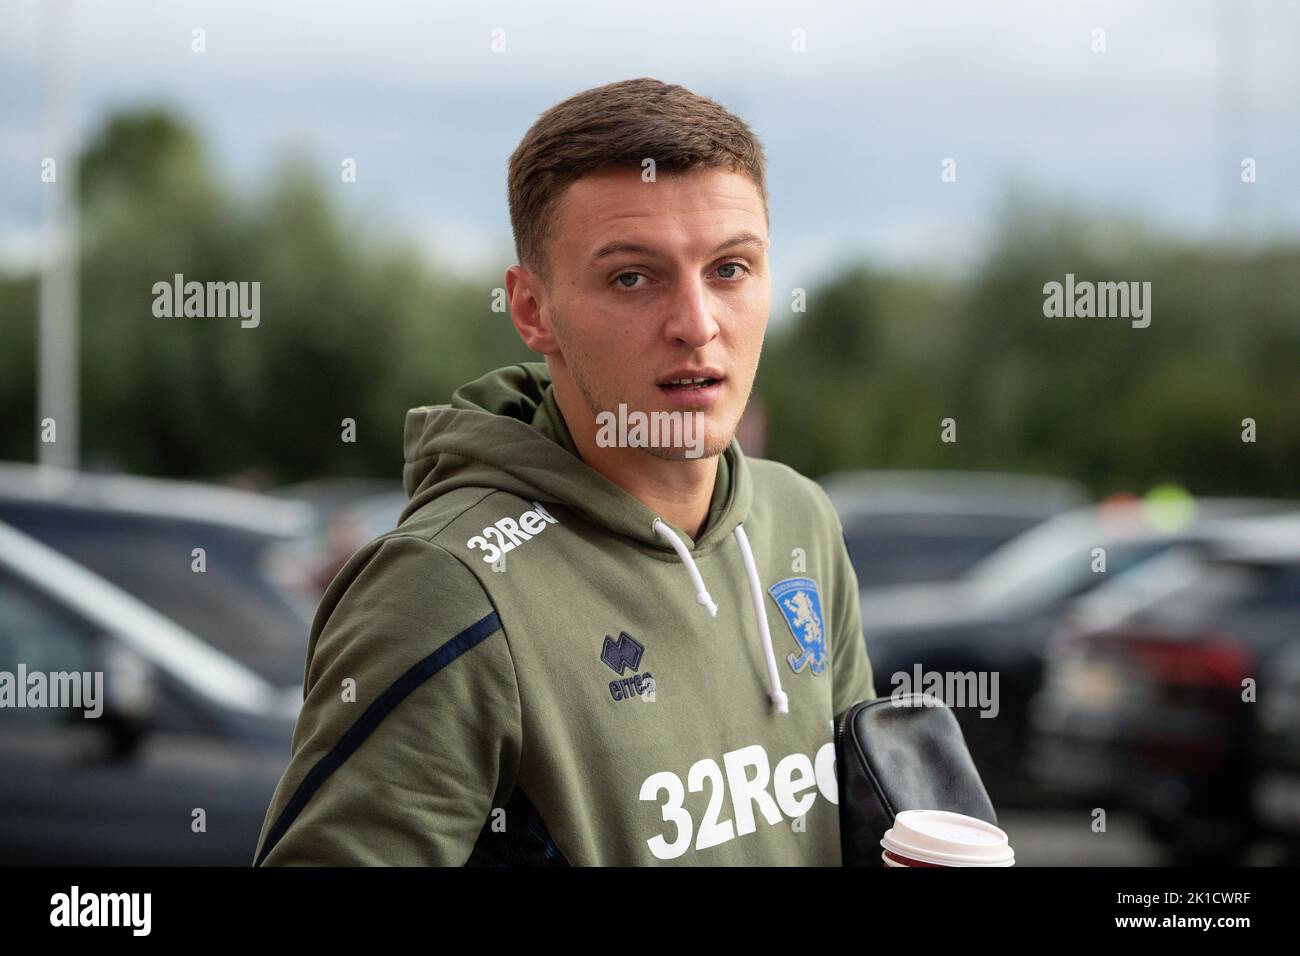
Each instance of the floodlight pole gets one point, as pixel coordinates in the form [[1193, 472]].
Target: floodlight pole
[[58, 382]]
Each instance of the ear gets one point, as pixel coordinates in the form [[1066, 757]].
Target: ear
[[528, 312]]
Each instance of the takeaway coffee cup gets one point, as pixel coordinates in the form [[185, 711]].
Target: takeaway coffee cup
[[944, 838]]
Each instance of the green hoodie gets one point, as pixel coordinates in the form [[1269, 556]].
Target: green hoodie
[[533, 667]]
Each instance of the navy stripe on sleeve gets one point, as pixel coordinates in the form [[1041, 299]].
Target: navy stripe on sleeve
[[384, 705]]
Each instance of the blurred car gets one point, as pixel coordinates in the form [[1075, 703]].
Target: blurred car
[[996, 619], [142, 534], [328, 496], [1275, 753], [181, 764], [904, 526], [350, 512], [1144, 696]]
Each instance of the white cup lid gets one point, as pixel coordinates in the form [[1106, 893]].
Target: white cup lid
[[945, 838]]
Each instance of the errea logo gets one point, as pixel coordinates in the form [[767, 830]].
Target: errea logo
[[506, 534], [622, 655]]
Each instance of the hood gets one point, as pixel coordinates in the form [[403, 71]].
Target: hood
[[486, 437]]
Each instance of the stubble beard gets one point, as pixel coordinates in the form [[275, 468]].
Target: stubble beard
[[714, 444]]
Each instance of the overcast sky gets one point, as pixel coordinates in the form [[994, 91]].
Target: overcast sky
[[855, 128]]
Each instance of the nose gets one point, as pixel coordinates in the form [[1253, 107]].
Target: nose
[[691, 321]]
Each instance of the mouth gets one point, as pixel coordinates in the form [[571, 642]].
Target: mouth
[[692, 388], [688, 379], [689, 384]]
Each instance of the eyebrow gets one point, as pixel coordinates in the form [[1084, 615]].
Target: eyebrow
[[617, 246]]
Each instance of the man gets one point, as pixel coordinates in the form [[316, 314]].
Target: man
[[591, 641]]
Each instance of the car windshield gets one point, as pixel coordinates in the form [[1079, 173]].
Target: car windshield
[[1148, 584], [1054, 561], [1234, 594], [885, 559], [233, 603], [890, 548]]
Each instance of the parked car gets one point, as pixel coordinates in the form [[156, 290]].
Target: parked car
[[1275, 753], [997, 618], [904, 526], [181, 764], [151, 537], [349, 513], [1172, 697]]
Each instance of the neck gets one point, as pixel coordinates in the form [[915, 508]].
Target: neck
[[678, 490]]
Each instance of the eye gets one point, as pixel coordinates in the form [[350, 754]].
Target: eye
[[619, 279], [733, 265]]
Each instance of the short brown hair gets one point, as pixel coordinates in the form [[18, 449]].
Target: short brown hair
[[619, 124]]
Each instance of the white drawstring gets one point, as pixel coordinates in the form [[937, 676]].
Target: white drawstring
[[778, 696], [701, 593]]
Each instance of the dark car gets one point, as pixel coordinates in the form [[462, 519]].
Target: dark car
[[993, 622], [903, 527], [184, 591], [1168, 698], [180, 755], [1275, 753], [217, 561], [349, 513]]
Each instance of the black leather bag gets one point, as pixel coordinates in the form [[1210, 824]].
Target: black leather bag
[[895, 754]]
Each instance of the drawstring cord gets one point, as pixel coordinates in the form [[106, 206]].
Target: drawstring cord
[[778, 697], [701, 593]]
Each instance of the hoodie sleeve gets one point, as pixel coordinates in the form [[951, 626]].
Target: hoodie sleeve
[[850, 668], [410, 729]]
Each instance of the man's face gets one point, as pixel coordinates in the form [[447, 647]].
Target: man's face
[[658, 281]]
